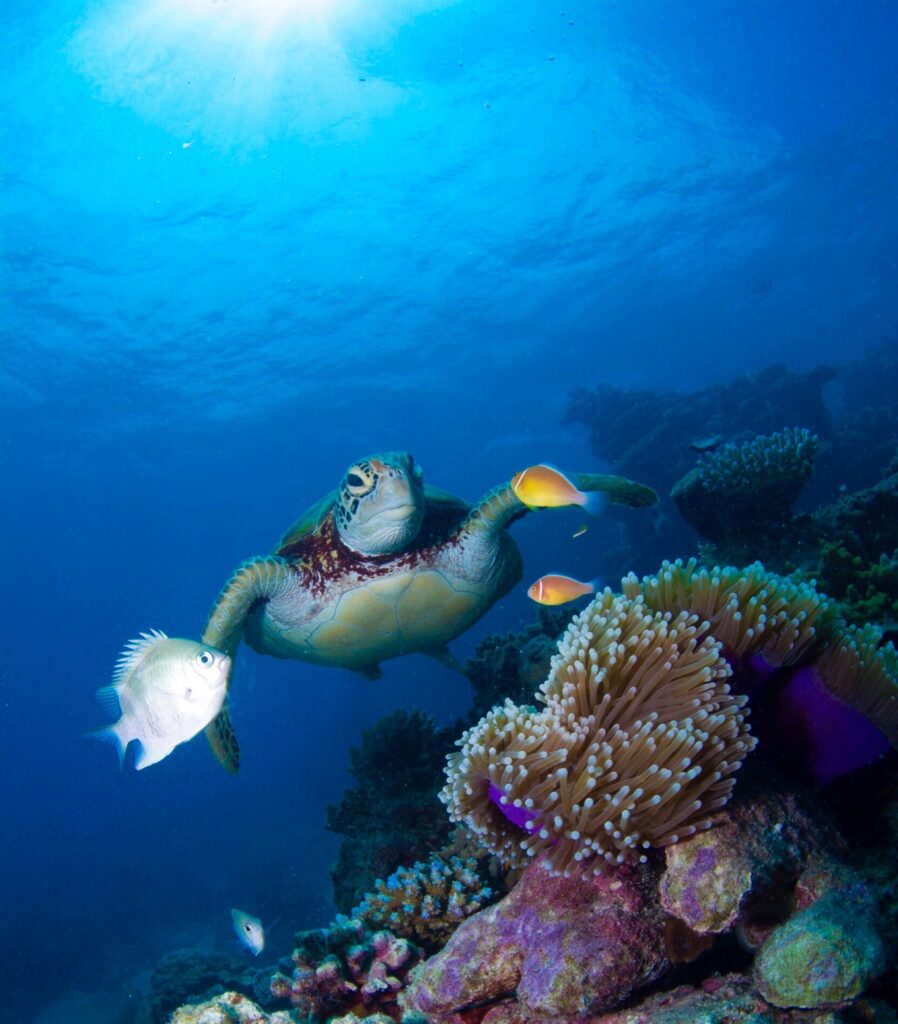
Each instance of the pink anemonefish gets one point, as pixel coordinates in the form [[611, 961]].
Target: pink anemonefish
[[556, 589], [542, 486]]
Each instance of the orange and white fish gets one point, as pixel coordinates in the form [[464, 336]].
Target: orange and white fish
[[555, 589], [542, 486]]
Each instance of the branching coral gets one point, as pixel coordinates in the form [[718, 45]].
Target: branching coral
[[636, 746], [426, 902]]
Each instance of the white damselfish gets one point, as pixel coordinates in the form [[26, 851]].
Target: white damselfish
[[167, 690]]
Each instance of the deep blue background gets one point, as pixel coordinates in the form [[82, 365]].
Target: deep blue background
[[236, 257]]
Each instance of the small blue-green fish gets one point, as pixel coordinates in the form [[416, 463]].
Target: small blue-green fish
[[167, 690], [249, 930], [580, 531]]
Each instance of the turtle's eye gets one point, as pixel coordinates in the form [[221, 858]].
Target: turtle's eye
[[359, 483], [205, 658], [416, 470]]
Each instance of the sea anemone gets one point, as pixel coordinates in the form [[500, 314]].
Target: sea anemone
[[750, 611], [636, 746], [861, 671]]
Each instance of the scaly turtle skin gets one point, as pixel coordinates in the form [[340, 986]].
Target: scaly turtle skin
[[383, 566]]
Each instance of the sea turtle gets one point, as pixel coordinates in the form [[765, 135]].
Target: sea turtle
[[381, 567]]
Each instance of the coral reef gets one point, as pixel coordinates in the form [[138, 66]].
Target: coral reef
[[392, 817], [730, 999], [858, 551], [741, 496], [647, 434], [346, 969], [187, 974], [511, 666], [636, 746], [426, 902], [229, 1008], [557, 949], [554, 946]]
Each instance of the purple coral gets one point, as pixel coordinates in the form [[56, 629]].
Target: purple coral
[[346, 969]]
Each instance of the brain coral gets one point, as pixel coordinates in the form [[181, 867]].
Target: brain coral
[[636, 745]]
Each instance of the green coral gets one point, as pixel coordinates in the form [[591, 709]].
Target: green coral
[[392, 816], [427, 901], [868, 591]]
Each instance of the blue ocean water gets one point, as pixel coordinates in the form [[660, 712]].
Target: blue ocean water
[[247, 243]]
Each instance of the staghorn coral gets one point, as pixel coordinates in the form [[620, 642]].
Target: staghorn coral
[[426, 902], [636, 746]]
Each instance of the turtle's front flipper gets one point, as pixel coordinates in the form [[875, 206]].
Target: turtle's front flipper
[[619, 489], [223, 740], [502, 506], [256, 580]]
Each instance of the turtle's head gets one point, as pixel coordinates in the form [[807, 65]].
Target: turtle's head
[[380, 504]]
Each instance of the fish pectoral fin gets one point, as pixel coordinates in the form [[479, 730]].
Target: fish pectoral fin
[[223, 740], [372, 672], [445, 657]]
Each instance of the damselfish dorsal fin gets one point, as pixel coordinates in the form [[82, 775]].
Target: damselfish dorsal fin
[[134, 652], [223, 740]]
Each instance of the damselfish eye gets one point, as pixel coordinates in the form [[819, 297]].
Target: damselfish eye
[[354, 480], [205, 658]]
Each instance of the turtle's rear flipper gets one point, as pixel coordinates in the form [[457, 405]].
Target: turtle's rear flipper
[[223, 741], [445, 657], [619, 489]]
